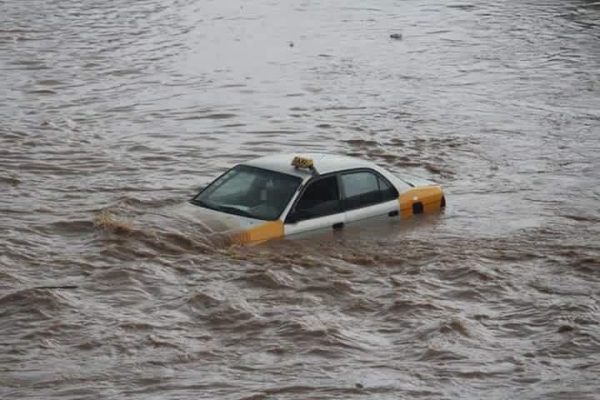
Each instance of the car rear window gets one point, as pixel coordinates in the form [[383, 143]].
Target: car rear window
[[364, 188]]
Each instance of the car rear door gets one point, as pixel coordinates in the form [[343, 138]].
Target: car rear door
[[366, 195]]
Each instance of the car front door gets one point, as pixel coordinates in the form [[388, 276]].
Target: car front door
[[318, 208], [368, 196]]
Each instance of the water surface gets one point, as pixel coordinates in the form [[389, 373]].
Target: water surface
[[113, 112]]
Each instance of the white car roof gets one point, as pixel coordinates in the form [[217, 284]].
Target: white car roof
[[323, 163]]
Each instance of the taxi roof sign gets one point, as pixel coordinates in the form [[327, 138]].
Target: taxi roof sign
[[303, 162]]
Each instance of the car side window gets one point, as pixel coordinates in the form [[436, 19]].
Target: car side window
[[320, 198], [364, 188]]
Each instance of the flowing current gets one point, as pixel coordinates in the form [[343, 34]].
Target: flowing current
[[114, 112]]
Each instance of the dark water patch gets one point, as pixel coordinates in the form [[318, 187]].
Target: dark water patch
[[55, 329], [208, 116], [42, 91], [32, 302], [465, 7], [140, 148], [50, 82], [125, 72], [29, 64], [232, 85], [157, 158], [274, 132], [10, 180], [236, 125], [75, 227], [121, 109], [361, 143], [583, 218]]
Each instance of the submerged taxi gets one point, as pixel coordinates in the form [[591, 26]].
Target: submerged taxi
[[287, 195]]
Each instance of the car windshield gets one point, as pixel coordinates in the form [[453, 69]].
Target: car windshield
[[249, 192]]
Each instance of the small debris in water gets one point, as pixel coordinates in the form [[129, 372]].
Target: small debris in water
[[396, 36], [359, 386], [108, 221], [565, 328], [55, 287], [291, 44]]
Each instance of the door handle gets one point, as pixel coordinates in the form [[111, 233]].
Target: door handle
[[338, 225], [393, 213]]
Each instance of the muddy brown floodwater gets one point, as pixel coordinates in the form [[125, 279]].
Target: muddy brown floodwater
[[112, 112]]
